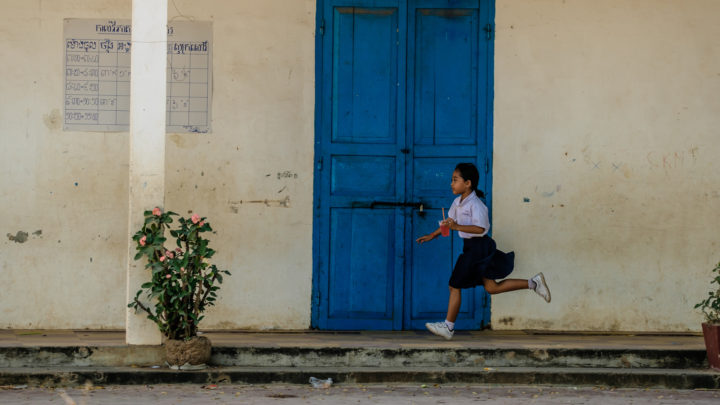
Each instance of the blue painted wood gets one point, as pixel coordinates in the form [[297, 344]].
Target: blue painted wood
[[446, 102], [365, 76], [402, 96], [445, 77], [362, 265], [361, 176], [359, 263]]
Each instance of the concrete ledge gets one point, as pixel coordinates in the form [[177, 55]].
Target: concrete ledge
[[125, 356], [454, 357], [81, 356], [628, 378]]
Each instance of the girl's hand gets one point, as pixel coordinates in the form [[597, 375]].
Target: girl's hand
[[426, 238], [451, 224]]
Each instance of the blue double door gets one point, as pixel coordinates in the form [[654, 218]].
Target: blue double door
[[404, 93]]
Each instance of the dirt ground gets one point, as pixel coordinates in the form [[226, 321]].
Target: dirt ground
[[350, 394]]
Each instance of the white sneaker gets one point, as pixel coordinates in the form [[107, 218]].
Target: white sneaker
[[541, 287], [440, 329]]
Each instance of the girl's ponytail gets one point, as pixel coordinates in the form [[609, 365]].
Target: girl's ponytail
[[468, 171]]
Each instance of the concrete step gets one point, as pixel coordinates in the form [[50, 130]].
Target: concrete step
[[613, 377], [457, 357], [357, 356], [81, 356]]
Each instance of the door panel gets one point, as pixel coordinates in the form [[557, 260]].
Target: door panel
[[432, 178], [432, 265], [445, 76], [347, 178], [362, 266], [365, 63]]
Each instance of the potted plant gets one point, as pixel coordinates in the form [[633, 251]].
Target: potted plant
[[710, 307], [182, 284]]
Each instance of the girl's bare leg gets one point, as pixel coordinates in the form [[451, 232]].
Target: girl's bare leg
[[491, 287], [510, 284], [454, 304]]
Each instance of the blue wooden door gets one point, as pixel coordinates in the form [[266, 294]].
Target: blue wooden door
[[403, 95]]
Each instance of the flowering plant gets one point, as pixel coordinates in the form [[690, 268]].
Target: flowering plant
[[183, 282], [710, 307]]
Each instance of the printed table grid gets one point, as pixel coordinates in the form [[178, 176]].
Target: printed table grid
[[97, 84]]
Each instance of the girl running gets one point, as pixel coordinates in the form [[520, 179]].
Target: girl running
[[480, 262]]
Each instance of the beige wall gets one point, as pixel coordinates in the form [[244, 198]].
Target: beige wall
[[606, 118], [261, 148], [66, 190], [71, 274]]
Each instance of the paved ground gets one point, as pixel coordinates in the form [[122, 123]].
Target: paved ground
[[351, 394], [376, 339]]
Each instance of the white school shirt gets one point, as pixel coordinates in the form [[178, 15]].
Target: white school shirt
[[470, 211]]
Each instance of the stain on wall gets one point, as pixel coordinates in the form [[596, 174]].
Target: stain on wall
[[53, 121], [19, 237]]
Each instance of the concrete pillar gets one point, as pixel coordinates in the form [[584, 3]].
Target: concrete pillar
[[147, 145]]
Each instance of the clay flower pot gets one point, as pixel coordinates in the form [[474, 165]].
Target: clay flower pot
[[711, 332], [190, 354]]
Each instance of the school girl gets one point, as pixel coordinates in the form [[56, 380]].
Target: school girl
[[480, 262]]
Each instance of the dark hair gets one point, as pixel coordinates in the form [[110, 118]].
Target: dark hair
[[468, 171]]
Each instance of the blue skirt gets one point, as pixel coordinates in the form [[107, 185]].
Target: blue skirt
[[480, 259]]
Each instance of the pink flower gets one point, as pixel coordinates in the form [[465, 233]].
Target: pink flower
[[169, 254], [162, 258], [156, 211], [202, 223], [142, 240], [182, 269], [178, 250], [168, 275], [195, 218]]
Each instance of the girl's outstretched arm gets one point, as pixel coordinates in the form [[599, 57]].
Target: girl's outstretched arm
[[428, 237]]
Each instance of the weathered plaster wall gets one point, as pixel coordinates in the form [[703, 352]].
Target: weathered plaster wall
[[66, 190], [605, 123], [606, 120], [261, 148], [71, 187]]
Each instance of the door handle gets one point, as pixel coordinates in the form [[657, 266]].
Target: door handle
[[418, 205]]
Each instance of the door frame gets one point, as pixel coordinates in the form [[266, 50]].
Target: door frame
[[321, 108]]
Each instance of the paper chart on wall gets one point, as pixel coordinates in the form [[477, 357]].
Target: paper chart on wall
[[97, 75]]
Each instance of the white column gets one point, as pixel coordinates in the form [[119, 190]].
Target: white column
[[147, 146]]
